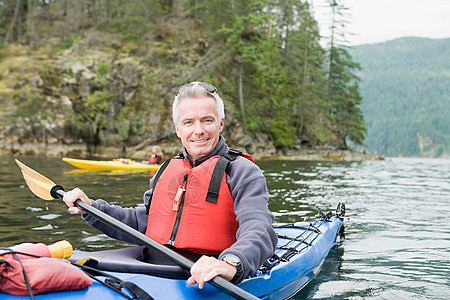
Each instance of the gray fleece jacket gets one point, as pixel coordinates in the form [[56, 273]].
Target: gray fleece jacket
[[256, 239]]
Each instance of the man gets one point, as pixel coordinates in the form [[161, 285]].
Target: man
[[209, 200]]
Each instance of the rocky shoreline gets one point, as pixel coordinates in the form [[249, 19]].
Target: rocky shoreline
[[82, 151], [60, 123], [325, 155]]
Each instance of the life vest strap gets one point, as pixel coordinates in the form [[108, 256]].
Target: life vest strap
[[218, 173]]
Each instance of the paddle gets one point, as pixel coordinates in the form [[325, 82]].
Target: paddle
[[45, 188]]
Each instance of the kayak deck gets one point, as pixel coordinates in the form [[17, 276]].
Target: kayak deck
[[301, 251], [117, 164]]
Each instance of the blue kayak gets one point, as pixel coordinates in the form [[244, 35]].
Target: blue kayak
[[301, 250]]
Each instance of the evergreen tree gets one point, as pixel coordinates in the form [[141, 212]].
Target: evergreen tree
[[344, 99], [303, 58]]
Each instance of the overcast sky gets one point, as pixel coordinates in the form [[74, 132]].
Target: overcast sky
[[374, 21]]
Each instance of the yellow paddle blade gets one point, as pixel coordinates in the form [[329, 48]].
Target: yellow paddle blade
[[37, 183]]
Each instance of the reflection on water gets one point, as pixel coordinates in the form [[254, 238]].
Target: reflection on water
[[397, 230], [26, 218]]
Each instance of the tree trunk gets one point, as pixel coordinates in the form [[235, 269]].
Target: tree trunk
[[31, 30], [304, 80], [19, 24], [108, 11], [241, 95], [14, 22], [333, 5]]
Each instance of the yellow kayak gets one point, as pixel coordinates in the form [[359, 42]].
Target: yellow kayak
[[116, 164]]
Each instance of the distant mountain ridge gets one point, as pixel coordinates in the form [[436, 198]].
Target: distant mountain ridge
[[405, 85]]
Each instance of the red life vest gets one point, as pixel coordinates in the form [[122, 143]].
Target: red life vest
[[152, 159], [203, 221], [155, 159]]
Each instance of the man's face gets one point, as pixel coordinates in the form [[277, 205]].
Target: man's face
[[198, 127]]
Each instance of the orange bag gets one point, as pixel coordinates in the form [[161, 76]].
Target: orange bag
[[44, 274]]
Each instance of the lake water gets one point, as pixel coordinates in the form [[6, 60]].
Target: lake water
[[397, 229]]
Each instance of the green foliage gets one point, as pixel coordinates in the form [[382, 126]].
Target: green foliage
[[28, 105], [123, 129], [91, 121], [50, 74], [137, 18], [102, 69], [280, 132], [247, 29], [132, 28], [265, 57], [33, 116], [406, 87], [102, 79], [67, 42], [98, 102], [344, 97], [303, 60]]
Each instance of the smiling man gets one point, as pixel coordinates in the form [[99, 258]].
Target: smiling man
[[199, 126], [208, 203]]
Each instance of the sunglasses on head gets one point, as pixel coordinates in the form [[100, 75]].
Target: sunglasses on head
[[208, 87]]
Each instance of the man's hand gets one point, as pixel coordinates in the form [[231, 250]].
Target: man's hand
[[72, 196], [206, 268]]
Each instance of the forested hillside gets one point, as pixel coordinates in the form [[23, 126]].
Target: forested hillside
[[406, 90], [105, 72]]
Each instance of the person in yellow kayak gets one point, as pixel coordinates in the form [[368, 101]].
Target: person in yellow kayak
[[208, 203], [156, 157]]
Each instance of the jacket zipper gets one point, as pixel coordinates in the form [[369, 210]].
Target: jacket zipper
[[179, 212]]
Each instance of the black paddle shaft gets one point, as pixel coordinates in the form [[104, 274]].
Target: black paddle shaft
[[219, 282]]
